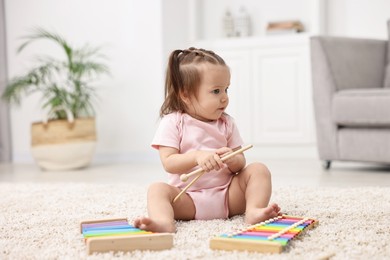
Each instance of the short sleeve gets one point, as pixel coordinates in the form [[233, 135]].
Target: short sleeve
[[168, 132], [234, 138]]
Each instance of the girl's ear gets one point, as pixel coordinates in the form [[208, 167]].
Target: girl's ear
[[185, 97]]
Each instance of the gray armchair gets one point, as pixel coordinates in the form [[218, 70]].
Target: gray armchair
[[351, 93]]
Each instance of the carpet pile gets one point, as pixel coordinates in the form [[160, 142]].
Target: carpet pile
[[41, 221]]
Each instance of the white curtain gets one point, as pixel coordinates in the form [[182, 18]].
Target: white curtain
[[5, 134]]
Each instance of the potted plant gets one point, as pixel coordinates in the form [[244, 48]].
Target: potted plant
[[66, 139]]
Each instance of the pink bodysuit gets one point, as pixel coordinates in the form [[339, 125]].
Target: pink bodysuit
[[185, 133]]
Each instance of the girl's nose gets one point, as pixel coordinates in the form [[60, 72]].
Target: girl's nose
[[225, 98]]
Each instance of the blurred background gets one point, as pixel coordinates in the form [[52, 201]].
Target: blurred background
[[270, 91]]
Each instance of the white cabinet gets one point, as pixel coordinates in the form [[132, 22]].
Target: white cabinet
[[281, 95], [270, 93]]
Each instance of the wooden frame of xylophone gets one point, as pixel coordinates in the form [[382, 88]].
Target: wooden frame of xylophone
[[118, 235], [270, 236]]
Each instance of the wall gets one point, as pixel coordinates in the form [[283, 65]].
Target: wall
[[358, 18], [131, 34], [175, 26], [5, 143]]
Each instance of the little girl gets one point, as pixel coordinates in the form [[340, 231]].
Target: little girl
[[196, 132]]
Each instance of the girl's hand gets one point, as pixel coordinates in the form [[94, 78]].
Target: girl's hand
[[225, 151], [210, 160], [235, 163]]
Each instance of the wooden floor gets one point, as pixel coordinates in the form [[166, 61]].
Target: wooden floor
[[300, 172]]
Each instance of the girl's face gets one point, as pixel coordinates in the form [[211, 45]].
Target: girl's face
[[212, 97]]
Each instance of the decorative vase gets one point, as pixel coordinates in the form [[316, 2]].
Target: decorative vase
[[243, 25]]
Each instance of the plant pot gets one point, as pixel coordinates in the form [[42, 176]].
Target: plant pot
[[63, 144]]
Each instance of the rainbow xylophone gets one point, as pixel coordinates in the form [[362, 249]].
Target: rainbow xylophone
[[270, 236], [118, 235]]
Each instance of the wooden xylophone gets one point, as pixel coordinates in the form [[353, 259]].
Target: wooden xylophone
[[118, 235], [270, 236]]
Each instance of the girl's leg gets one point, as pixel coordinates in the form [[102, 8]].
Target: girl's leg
[[162, 212], [250, 192]]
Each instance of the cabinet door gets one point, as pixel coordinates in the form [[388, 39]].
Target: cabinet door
[[240, 107], [281, 95]]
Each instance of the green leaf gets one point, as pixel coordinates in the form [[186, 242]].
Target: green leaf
[[62, 82]]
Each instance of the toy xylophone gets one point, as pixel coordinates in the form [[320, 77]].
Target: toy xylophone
[[118, 235], [270, 236]]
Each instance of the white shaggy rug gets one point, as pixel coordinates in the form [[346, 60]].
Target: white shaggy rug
[[41, 221]]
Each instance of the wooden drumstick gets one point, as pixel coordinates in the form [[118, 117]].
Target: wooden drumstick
[[188, 185], [184, 177], [199, 172]]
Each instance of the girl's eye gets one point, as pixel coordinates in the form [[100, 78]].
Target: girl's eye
[[216, 91]]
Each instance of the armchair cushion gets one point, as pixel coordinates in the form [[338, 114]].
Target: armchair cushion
[[361, 107], [355, 63]]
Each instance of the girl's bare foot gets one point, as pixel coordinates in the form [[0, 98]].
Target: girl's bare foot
[[256, 215], [149, 224]]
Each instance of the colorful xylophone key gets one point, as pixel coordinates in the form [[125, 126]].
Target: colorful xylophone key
[[270, 236], [118, 235]]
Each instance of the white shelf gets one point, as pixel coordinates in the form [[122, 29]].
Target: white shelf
[[258, 41], [205, 17]]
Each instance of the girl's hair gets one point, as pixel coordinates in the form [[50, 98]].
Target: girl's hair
[[183, 76]]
